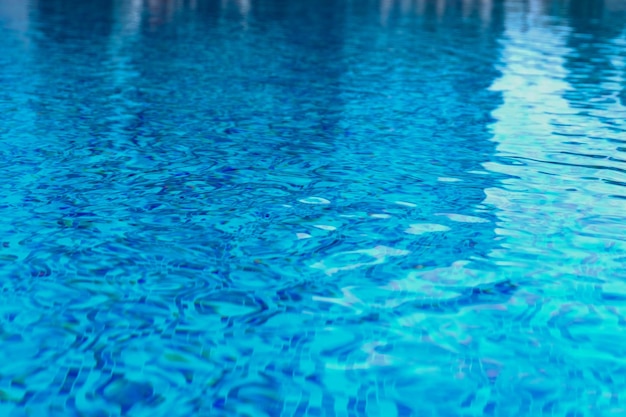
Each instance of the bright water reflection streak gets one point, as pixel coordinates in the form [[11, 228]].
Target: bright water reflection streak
[[562, 212], [305, 208]]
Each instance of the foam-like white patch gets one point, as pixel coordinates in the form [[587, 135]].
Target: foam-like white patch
[[314, 200], [463, 218], [380, 216], [422, 228], [404, 203], [325, 227]]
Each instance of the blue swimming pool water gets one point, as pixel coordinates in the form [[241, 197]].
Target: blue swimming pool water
[[313, 208]]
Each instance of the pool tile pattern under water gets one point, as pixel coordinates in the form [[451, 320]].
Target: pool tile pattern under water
[[313, 208]]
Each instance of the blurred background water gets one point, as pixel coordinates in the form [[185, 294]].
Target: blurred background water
[[313, 208]]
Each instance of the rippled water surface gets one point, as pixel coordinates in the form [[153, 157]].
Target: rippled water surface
[[313, 208]]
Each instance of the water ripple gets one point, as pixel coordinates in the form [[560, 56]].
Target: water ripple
[[351, 208]]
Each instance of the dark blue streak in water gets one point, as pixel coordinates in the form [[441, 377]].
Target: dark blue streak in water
[[312, 208]]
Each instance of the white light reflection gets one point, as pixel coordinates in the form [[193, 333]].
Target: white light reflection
[[125, 31], [550, 205], [14, 15], [385, 10], [242, 6], [17, 63]]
